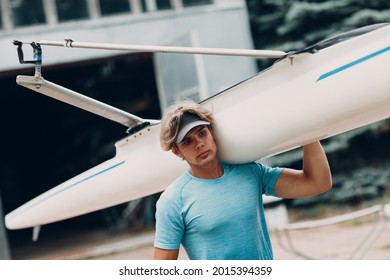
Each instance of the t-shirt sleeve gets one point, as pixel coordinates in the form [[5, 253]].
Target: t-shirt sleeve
[[169, 222], [268, 177]]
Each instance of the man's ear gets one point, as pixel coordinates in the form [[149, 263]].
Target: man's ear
[[176, 152]]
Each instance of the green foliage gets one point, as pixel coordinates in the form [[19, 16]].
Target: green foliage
[[291, 25]]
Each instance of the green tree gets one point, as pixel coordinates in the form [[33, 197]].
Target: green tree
[[292, 24]]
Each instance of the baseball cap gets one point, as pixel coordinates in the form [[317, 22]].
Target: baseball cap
[[188, 121]]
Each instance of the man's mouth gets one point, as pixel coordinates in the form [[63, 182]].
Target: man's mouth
[[203, 155]]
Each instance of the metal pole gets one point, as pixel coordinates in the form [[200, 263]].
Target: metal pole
[[4, 248], [69, 43], [81, 101]]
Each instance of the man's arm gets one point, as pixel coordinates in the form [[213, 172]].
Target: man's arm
[[315, 178], [161, 254]]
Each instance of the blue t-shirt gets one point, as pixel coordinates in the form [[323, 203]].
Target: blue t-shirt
[[218, 219]]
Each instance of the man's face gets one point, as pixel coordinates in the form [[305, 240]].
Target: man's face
[[198, 147]]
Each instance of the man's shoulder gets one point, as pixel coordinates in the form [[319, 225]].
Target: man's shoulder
[[175, 188], [252, 169], [241, 166]]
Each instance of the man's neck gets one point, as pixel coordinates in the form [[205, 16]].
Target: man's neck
[[211, 171]]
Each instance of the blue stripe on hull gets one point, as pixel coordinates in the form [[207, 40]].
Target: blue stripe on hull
[[351, 64], [74, 184]]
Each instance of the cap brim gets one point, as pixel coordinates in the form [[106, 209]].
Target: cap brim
[[182, 133]]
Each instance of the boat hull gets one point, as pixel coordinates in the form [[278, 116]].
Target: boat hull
[[302, 98]]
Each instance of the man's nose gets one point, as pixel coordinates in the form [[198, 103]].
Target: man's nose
[[199, 142]]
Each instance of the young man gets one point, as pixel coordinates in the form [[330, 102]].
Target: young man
[[215, 210]]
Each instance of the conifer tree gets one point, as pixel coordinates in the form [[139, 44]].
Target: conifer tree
[[292, 24]]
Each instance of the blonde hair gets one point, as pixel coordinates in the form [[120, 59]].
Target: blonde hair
[[170, 121]]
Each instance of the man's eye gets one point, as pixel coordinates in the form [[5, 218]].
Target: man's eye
[[186, 141], [202, 132]]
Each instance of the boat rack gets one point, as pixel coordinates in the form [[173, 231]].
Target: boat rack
[[380, 214]]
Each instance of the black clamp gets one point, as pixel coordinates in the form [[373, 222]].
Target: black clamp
[[37, 54]]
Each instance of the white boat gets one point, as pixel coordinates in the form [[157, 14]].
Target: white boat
[[337, 85]]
